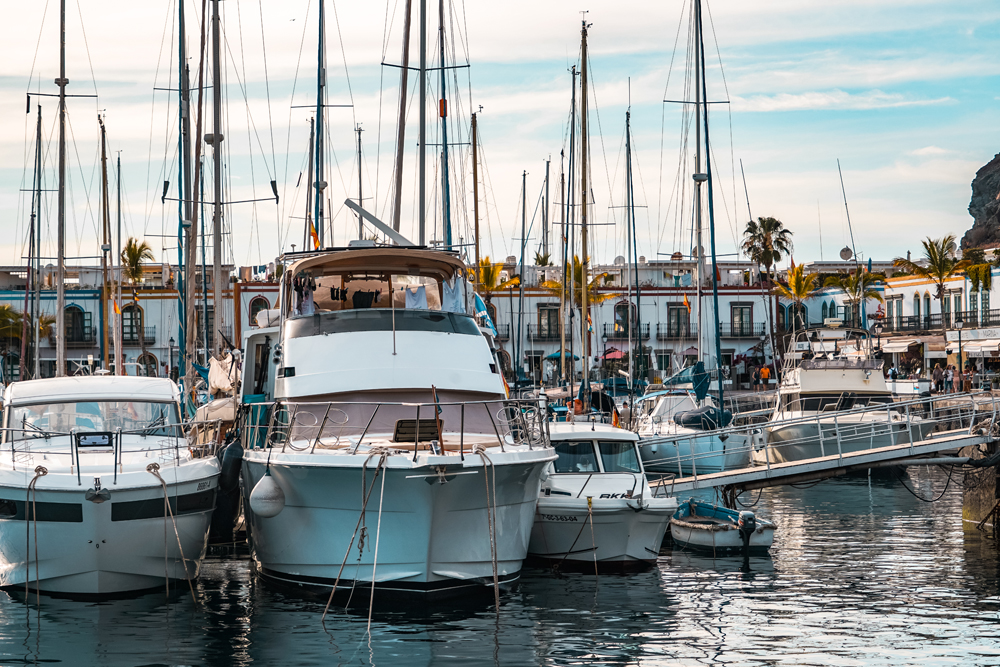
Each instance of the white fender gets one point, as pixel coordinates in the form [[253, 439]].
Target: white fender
[[267, 499]]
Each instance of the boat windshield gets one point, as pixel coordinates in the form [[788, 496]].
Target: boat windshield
[[39, 420], [575, 457], [619, 457]]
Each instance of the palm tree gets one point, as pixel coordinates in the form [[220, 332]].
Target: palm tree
[[576, 290], [490, 281], [764, 242], [859, 288], [941, 265], [799, 287], [12, 328], [543, 259], [134, 254], [979, 271]]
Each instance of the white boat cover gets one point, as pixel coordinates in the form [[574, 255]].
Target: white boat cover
[[92, 387], [220, 408]]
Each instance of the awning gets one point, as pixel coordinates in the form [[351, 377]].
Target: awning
[[951, 348], [613, 354], [898, 345], [555, 356], [690, 352]]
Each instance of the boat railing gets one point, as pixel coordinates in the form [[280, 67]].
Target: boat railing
[[869, 426], [438, 427], [26, 443]]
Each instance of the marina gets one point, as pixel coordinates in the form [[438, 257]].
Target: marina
[[315, 394]]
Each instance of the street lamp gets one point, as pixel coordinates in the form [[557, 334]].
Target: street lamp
[[170, 358], [878, 333]]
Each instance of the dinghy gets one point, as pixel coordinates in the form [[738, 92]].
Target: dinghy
[[706, 527]]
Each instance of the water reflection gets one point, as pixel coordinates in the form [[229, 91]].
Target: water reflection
[[862, 572]]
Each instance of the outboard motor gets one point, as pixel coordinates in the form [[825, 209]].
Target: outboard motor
[[747, 526]]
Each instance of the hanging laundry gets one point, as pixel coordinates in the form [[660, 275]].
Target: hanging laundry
[[454, 297], [417, 298], [363, 299]]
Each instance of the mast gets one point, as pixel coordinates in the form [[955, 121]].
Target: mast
[[61, 242], [445, 193], [217, 167], [320, 184], [711, 212], [569, 270], [186, 231], [307, 235], [628, 237], [361, 221], [36, 201], [562, 291], [475, 190], [585, 338], [635, 255], [401, 136], [37, 231], [519, 351], [105, 243], [422, 166], [699, 178], [545, 212], [119, 355]]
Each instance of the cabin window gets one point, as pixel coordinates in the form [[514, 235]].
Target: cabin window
[[575, 457], [619, 457], [43, 420]]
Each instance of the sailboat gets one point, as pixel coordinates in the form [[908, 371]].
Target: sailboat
[[689, 441], [390, 458]]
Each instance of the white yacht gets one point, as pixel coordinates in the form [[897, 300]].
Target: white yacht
[[833, 394], [86, 464], [391, 455], [596, 508], [671, 448]]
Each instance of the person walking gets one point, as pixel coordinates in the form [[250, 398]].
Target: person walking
[[937, 375], [765, 376], [949, 379], [755, 379]]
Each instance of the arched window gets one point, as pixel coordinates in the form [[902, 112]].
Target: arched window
[[147, 365], [131, 323], [78, 328], [826, 311], [916, 307], [833, 309], [927, 310], [257, 304], [504, 360], [800, 316], [780, 314]]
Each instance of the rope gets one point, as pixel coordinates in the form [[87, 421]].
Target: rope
[[40, 471], [579, 533], [154, 469], [491, 518], [914, 494], [378, 530], [382, 454], [593, 540]]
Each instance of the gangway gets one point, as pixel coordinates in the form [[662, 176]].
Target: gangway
[[917, 428]]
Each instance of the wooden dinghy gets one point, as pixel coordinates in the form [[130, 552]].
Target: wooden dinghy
[[706, 527]]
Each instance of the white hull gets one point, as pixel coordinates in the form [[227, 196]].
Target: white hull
[[431, 537], [118, 546], [691, 452], [719, 541], [622, 534]]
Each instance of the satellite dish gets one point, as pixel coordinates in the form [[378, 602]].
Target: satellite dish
[[846, 254]]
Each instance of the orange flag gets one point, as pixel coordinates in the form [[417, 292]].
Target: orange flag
[[687, 304]]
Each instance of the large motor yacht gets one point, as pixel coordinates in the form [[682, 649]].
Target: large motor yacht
[[87, 467], [833, 399], [391, 456]]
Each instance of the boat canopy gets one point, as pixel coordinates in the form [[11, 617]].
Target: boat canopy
[[430, 263], [92, 387]]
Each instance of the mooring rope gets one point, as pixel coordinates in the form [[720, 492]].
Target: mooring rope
[[154, 469], [378, 530], [593, 540], [32, 495], [366, 493], [491, 518]]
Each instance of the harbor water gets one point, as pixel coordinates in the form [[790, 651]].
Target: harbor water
[[861, 573]]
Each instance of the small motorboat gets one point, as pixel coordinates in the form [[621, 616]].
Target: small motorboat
[[596, 509], [706, 527]]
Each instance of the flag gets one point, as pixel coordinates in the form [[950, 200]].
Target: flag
[[314, 235], [118, 311], [687, 304], [506, 387], [590, 324], [483, 313]]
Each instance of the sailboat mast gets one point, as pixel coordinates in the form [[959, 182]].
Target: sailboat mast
[[187, 232], [545, 212], [105, 244], [217, 166], [635, 255], [61, 234], [361, 221], [520, 287], [37, 231], [307, 241], [119, 355], [320, 184], [32, 248], [628, 236], [475, 190], [699, 178], [711, 212], [443, 111], [422, 166], [585, 338], [569, 267], [562, 290], [401, 135]]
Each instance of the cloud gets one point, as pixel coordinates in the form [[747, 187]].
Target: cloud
[[930, 150], [834, 99]]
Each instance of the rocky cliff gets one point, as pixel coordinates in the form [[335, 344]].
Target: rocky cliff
[[985, 206]]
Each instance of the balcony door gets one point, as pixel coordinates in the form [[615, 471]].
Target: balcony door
[[742, 319]]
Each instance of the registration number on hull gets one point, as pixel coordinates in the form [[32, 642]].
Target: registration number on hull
[[557, 517]]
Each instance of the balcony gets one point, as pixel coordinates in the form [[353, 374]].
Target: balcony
[[676, 331], [742, 329], [619, 332], [543, 333], [503, 332], [130, 336], [77, 336]]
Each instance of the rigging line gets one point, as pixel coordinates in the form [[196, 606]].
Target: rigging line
[[254, 218], [38, 45], [267, 88], [86, 48], [604, 154], [246, 100], [168, 21], [663, 115], [282, 235], [86, 189], [343, 53]]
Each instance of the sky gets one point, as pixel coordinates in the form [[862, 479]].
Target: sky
[[904, 93]]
